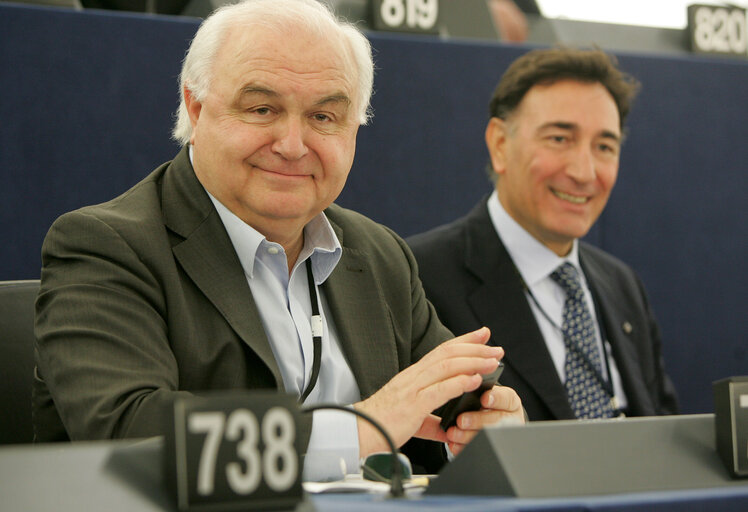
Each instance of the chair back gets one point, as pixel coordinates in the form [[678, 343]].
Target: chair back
[[16, 359]]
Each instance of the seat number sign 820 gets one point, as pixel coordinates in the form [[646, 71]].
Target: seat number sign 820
[[718, 30]]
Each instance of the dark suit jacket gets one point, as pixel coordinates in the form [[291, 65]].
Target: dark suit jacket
[[143, 298], [469, 277]]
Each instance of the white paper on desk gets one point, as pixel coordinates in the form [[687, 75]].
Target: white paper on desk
[[347, 485], [357, 483]]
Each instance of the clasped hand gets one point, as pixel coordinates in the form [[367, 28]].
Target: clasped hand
[[404, 405]]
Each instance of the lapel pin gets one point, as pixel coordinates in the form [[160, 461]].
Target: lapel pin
[[627, 327]]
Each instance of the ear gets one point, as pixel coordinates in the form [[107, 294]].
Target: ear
[[193, 109], [496, 135]]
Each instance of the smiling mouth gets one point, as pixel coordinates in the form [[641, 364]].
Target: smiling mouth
[[570, 198], [281, 173]]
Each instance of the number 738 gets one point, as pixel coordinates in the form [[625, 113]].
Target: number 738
[[277, 464]]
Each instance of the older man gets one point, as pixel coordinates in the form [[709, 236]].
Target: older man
[[208, 273], [580, 336]]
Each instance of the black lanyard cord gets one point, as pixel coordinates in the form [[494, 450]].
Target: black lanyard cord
[[317, 328]]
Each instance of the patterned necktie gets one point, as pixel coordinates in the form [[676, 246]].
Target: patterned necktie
[[587, 396]]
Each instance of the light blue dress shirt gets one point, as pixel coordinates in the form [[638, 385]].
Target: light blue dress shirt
[[535, 263], [285, 308]]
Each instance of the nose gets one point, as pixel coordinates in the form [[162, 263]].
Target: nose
[[582, 167], [289, 139]]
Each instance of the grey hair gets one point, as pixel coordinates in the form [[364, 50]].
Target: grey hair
[[197, 68]]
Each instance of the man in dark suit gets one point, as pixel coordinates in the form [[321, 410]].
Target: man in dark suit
[[554, 140], [230, 268]]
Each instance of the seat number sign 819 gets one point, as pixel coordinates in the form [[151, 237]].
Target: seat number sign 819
[[406, 15]]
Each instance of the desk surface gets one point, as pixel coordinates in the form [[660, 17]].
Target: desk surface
[[126, 476]]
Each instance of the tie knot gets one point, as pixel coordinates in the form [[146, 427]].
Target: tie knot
[[567, 277]]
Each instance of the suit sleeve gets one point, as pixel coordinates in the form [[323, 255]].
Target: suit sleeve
[[102, 344]]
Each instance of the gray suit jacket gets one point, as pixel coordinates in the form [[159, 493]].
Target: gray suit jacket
[[471, 280], [143, 298]]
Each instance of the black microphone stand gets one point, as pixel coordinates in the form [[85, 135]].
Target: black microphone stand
[[396, 482]]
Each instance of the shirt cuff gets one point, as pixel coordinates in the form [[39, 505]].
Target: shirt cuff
[[333, 446], [450, 455]]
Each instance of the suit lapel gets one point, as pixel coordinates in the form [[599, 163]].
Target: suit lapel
[[209, 259], [508, 314], [614, 314], [362, 320]]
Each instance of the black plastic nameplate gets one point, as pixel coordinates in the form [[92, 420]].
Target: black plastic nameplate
[[718, 30], [235, 450], [731, 423], [406, 15]]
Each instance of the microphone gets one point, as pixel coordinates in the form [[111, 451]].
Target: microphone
[[396, 482]]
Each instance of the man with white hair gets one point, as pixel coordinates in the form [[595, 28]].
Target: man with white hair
[[208, 274]]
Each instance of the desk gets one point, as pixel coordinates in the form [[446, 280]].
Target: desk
[[126, 476]]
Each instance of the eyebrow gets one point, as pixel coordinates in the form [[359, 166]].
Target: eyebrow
[[336, 98], [571, 126], [256, 89]]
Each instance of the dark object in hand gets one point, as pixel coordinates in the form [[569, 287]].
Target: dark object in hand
[[469, 401]]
